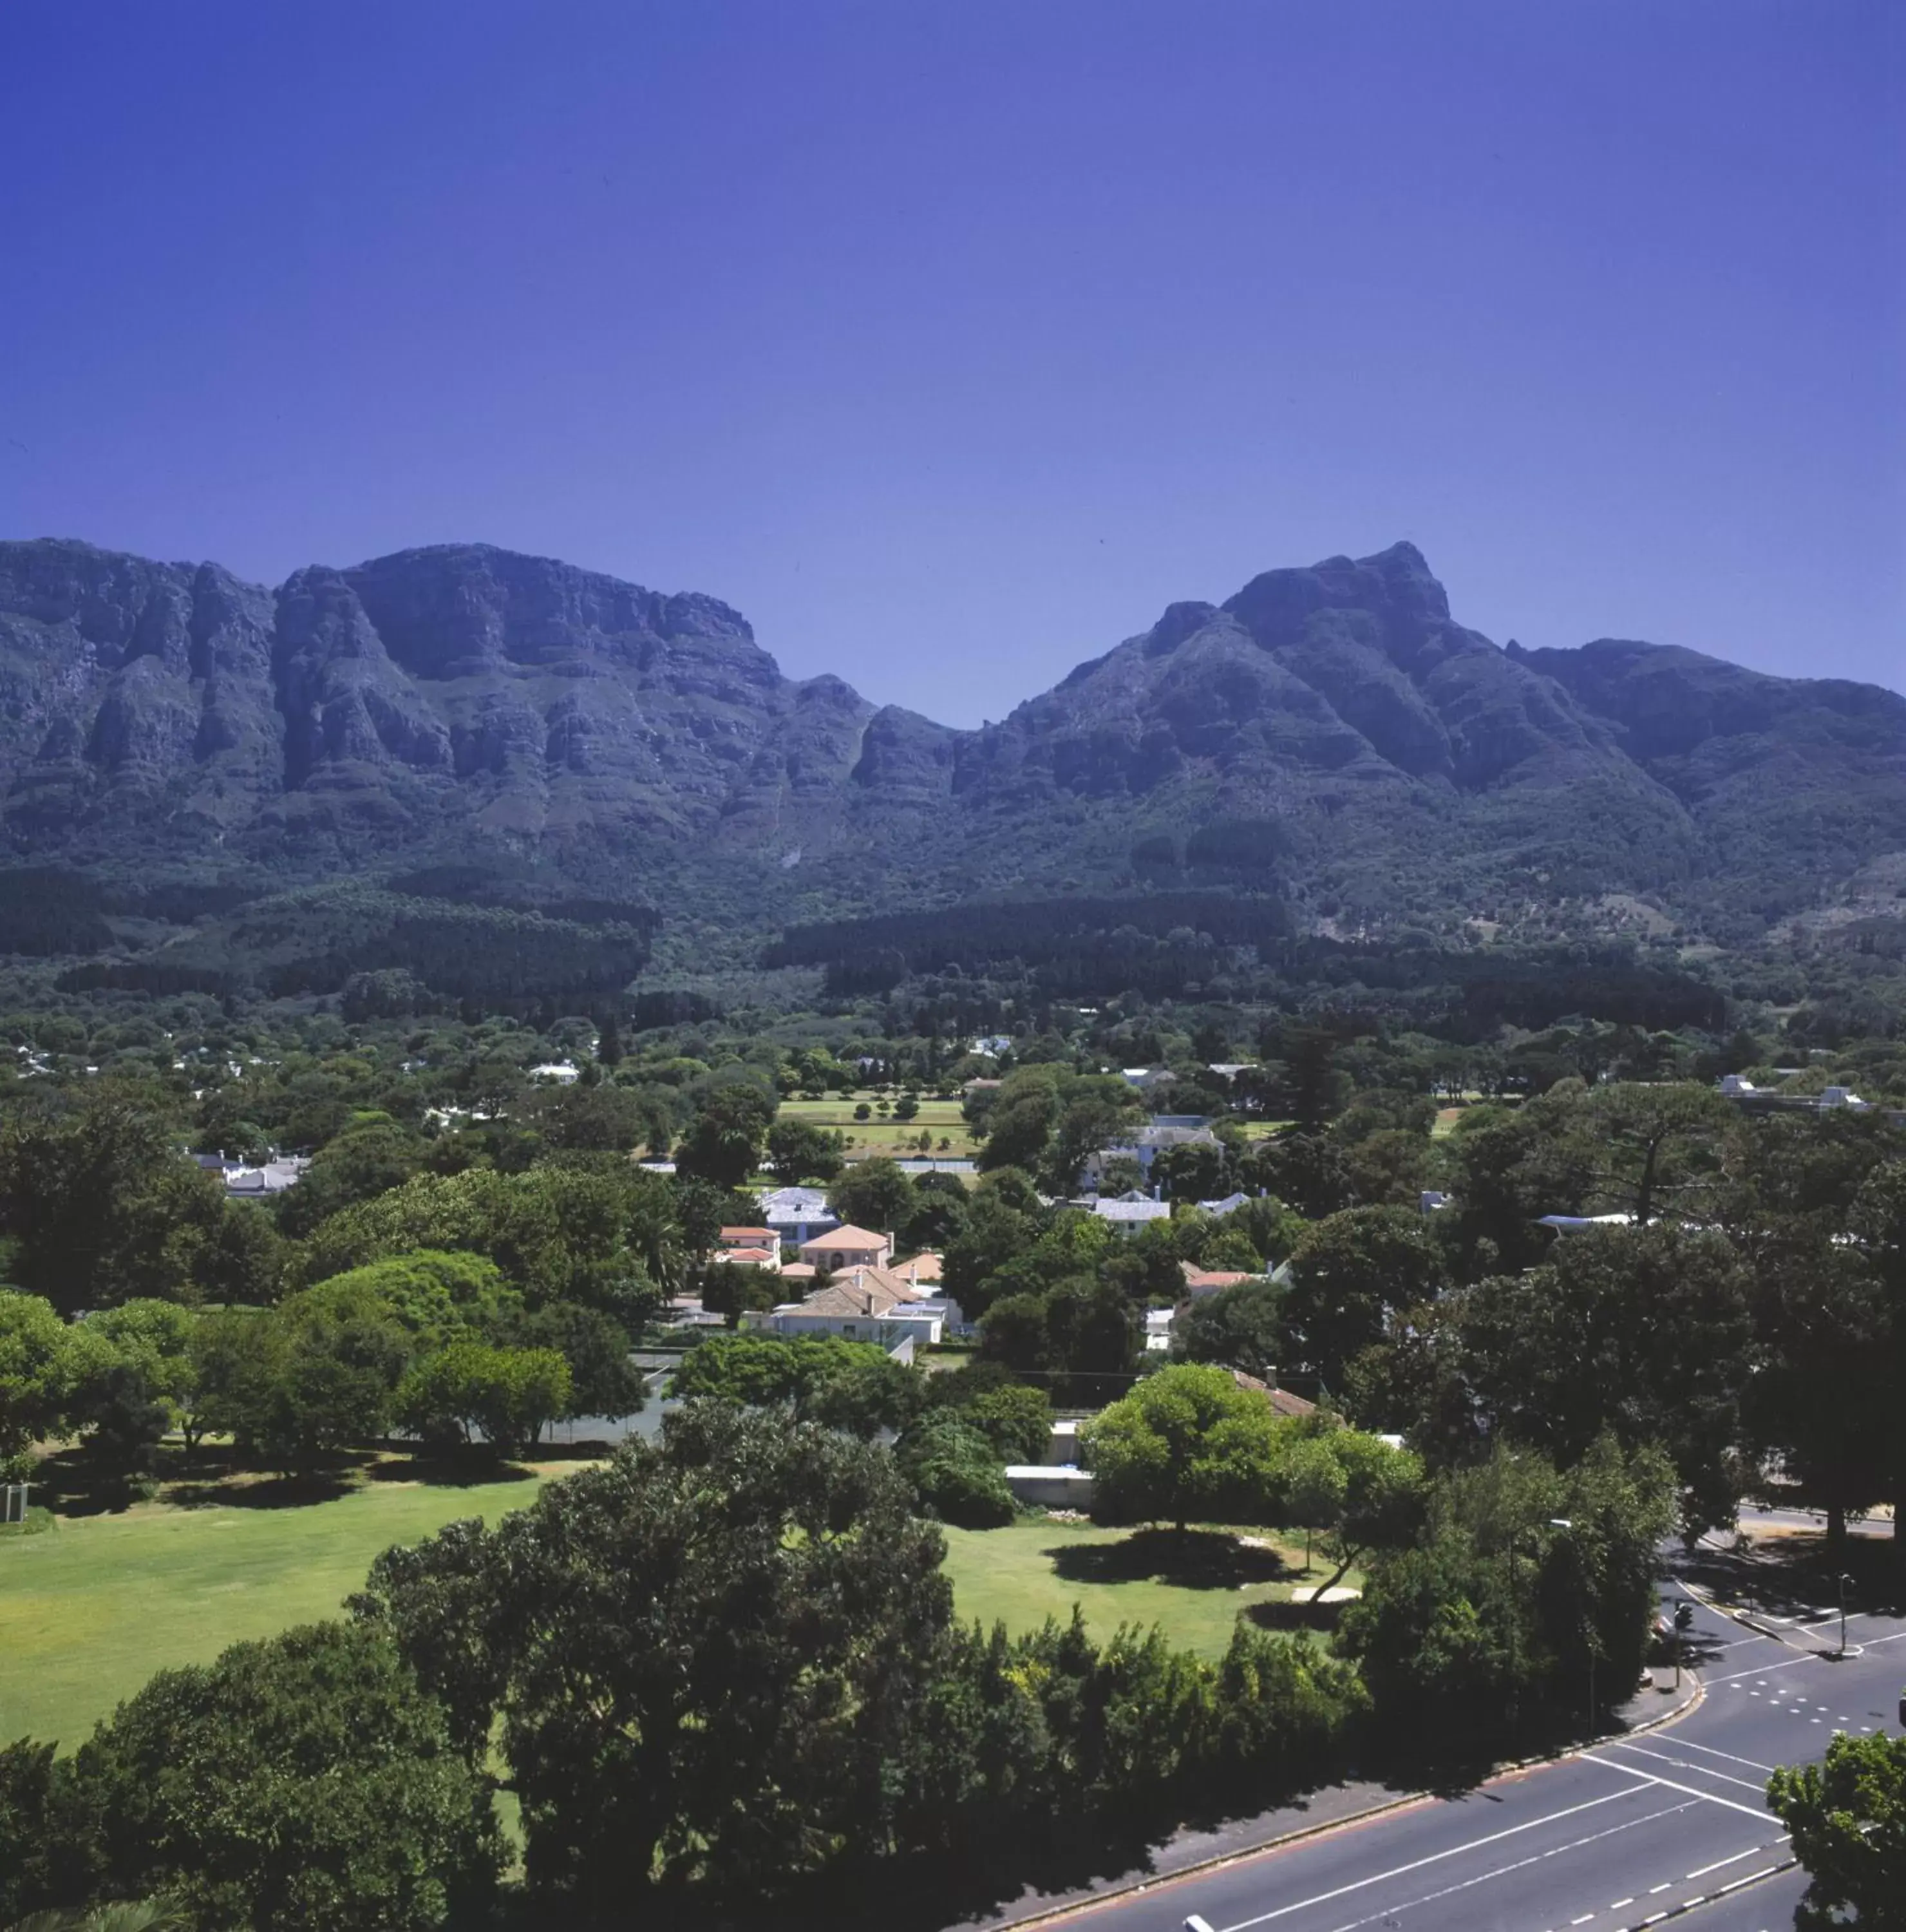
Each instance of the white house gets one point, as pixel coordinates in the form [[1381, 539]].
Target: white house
[[864, 1304], [1129, 1213], [555, 1073]]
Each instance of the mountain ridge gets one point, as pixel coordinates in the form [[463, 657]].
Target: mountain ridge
[[1362, 747]]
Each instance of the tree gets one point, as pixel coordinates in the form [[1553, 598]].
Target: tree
[[102, 1205], [1315, 1485], [372, 1155], [306, 1780], [993, 1234], [36, 1373], [1647, 1331], [1514, 1580], [52, 1858], [1847, 1817], [734, 1288], [853, 1386], [1346, 1274], [1655, 1145], [874, 1194], [436, 1296], [292, 1385], [1186, 1442], [1239, 1328], [725, 1140], [957, 1471], [797, 1151], [506, 1395], [742, 1716], [602, 1380]]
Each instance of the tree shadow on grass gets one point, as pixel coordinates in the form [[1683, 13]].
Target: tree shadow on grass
[[456, 1471], [1198, 1559], [265, 1491]]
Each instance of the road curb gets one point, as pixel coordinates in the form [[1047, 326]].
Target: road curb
[[1050, 1914]]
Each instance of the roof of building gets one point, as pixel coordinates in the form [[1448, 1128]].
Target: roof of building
[[790, 1202], [850, 1237], [1228, 1203], [861, 1290], [1196, 1278], [749, 1257], [1281, 1400], [742, 1234], [1134, 1207], [925, 1268], [800, 1271]]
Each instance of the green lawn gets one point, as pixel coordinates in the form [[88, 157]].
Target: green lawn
[[90, 1609], [1029, 1571], [875, 1135]]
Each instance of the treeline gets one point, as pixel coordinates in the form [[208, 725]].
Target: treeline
[[1159, 944], [504, 957]]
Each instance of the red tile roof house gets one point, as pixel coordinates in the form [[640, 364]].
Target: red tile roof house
[[751, 1247]]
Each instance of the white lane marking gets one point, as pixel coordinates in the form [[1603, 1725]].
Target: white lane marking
[[1455, 1851], [1619, 1903], [1687, 1790], [1754, 1764], [1803, 1657], [1718, 1863], [1699, 1770], [1662, 1887], [1392, 1915]]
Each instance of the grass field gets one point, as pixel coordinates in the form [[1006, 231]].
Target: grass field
[[1028, 1571], [90, 1609], [939, 1118]]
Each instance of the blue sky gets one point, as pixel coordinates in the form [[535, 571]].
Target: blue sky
[[951, 342]]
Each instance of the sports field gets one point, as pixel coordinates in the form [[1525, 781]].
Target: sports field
[[938, 1120]]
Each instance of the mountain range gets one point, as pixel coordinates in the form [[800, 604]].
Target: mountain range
[[1330, 733]]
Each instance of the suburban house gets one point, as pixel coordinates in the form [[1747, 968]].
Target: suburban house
[[1163, 1131], [555, 1073], [923, 1270], [848, 1247], [863, 1304], [751, 1247], [1158, 1329], [1129, 1213], [256, 1179], [798, 1214], [1145, 1078]]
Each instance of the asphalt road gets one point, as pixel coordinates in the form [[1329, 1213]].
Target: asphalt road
[[1607, 1838]]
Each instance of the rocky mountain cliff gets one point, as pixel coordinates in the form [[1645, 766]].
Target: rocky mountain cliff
[[1331, 732]]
